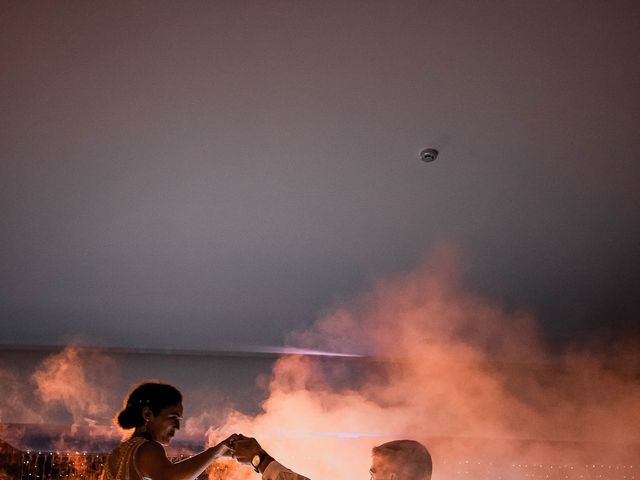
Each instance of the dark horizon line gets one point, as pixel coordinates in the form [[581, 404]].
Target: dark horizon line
[[241, 351]]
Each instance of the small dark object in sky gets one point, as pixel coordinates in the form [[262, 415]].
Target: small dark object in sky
[[428, 154]]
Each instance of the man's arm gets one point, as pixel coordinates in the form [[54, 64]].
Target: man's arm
[[276, 471], [247, 450]]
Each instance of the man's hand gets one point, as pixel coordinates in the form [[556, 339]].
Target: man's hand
[[245, 448]]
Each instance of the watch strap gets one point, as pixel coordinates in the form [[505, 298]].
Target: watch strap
[[265, 459]]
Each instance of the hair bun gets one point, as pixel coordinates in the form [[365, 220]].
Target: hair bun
[[128, 418]]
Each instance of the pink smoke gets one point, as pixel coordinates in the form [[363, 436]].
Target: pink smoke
[[79, 381], [451, 369]]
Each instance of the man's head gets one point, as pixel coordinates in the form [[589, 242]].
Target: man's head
[[400, 460]]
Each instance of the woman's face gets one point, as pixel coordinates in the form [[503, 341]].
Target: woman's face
[[163, 427]]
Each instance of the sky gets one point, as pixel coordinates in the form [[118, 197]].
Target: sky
[[216, 175]]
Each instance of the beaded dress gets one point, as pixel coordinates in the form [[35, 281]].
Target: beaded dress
[[120, 464]]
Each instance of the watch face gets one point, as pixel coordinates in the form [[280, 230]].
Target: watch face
[[255, 461]]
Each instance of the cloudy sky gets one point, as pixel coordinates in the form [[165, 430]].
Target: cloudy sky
[[209, 175]]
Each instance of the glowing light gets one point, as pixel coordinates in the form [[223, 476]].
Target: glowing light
[[300, 351]]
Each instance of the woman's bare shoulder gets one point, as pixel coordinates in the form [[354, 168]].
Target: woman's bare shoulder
[[151, 459], [152, 448]]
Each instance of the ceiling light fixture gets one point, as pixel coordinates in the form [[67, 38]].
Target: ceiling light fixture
[[428, 154]]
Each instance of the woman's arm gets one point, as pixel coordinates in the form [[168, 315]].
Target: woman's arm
[[151, 461]]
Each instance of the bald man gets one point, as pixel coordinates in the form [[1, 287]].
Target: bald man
[[396, 460]]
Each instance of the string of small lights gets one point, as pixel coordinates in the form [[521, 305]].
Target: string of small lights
[[88, 466], [38, 465], [542, 471]]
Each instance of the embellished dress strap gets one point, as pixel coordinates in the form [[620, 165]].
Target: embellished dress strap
[[133, 459], [118, 465]]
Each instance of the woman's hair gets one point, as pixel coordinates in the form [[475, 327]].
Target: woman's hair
[[156, 396]]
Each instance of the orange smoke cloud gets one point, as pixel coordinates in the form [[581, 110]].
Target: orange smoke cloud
[[452, 370], [77, 380]]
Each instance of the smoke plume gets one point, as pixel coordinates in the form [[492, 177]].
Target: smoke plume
[[452, 370], [77, 380]]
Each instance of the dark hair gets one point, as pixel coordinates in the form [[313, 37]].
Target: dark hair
[[408, 458], [156, 396]]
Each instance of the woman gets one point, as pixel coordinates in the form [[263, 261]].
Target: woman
[[154, 410]]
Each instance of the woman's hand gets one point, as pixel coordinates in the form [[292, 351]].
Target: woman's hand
[[226, 447]]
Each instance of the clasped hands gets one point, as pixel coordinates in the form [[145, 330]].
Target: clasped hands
[[242, 448]]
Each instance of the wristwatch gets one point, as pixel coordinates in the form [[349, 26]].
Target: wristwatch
[[257, 460]]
